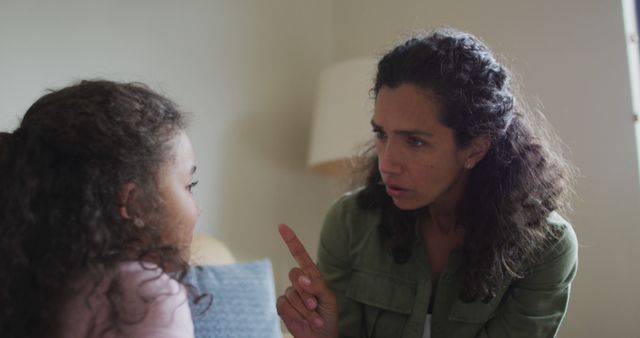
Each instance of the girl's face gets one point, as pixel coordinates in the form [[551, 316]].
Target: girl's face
[[175, 184], [418, 158]]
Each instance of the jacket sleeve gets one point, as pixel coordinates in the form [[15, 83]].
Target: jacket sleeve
[[335, 264], [535, 305]]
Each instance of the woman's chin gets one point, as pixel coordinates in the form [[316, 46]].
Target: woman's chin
[[407, 204]]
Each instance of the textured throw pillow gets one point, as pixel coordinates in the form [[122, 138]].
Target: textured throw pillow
[[243, 303]]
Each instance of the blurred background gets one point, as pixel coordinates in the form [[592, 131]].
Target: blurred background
[[248, 72]]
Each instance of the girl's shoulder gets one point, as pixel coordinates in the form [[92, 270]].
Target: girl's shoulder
[[146, 280], [147, 300]]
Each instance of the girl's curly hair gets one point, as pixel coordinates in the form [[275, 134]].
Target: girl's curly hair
[[61, 170], [510, 192]]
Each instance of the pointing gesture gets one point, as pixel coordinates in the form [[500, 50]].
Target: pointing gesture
[[308, 308]]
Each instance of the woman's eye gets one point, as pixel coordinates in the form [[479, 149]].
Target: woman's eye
[[192, 185], [379, 134], [415, 141]]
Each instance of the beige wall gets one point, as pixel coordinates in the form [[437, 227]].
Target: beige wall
[[246, 69], [571, 59]]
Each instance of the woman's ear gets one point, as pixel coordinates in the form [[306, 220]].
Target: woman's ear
[[126, 196], [478, 148]]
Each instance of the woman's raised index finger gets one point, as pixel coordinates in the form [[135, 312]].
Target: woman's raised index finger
[[297, 250]]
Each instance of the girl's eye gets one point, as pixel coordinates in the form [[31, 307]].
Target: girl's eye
[[192, 185], [415, 141]]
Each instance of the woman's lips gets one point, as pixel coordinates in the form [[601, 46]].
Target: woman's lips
[[395, 191]]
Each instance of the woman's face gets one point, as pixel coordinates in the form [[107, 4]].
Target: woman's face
[[175, 183], [418, 158]]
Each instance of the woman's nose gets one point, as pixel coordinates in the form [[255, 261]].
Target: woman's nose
[[388, 160]]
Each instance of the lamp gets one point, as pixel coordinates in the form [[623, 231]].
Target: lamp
[[341, 116]]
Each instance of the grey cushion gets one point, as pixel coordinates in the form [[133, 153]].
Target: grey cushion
[[243, 303]]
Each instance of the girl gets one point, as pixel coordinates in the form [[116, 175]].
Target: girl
[[95, 209]]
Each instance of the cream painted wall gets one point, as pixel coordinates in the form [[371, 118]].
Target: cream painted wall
[[245, 69], [571, 59]]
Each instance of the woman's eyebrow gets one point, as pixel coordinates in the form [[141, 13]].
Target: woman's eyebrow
[[404, 132]]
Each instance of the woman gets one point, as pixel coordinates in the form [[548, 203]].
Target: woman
[[95, 209], [455, 232]]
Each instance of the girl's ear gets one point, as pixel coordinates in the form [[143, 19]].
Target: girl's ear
[[478, 148], [126, 197]]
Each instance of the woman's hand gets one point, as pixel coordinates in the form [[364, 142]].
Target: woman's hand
[[308, 308]]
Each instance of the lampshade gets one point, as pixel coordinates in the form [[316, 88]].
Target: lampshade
[[340, 123]]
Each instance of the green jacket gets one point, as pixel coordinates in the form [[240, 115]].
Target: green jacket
[[380, 298]]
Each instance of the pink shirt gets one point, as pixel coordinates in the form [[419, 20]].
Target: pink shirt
[[155, 306]]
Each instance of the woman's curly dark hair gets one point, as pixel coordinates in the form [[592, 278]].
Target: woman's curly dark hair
[[62, 169], [510, 192]]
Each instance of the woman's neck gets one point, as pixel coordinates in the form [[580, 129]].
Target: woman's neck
[[443, 213], [445, 222]]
